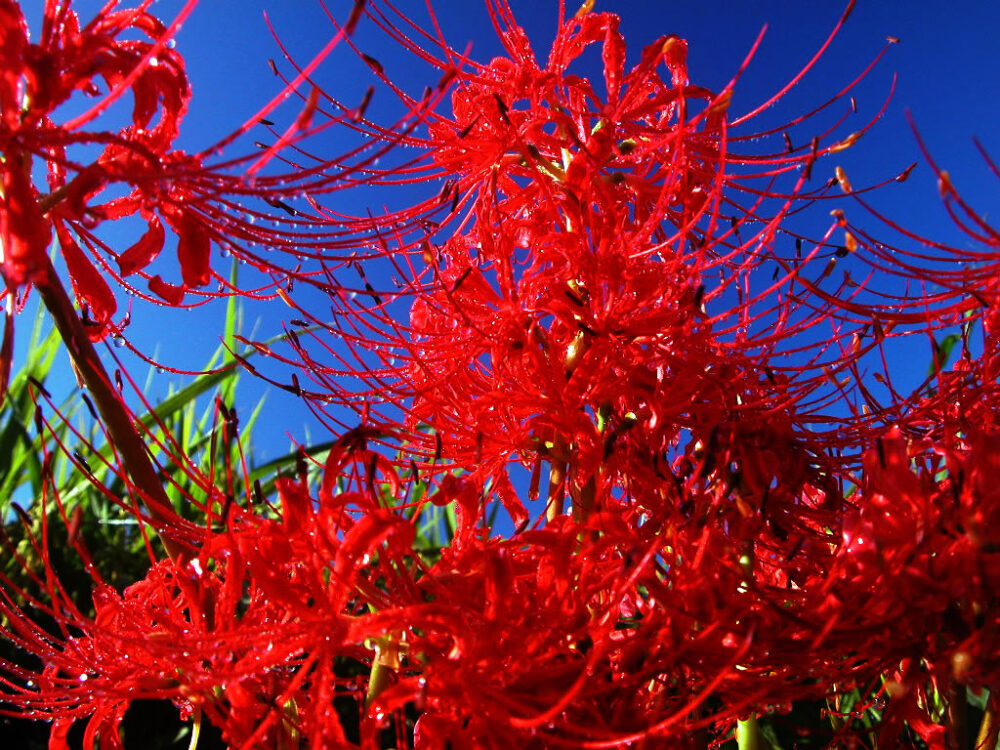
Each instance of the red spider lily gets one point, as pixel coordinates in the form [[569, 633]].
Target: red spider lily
[[259, 629], [716, 564], [254, 629], [38, 78], [138, 171], [568, 320], [914, 578], [200, 203]]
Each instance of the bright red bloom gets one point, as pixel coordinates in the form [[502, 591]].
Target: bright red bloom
[[38, 78], [129, 52], [255, 629], [598, 307], [741, 536]]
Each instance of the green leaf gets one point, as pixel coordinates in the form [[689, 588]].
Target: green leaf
[[942, 353]]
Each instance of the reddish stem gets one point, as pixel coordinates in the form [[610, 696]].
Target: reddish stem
[[957, 726], [116, 416]]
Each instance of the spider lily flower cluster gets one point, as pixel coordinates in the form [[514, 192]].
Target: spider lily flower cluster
[[602, 327], [202, 199]]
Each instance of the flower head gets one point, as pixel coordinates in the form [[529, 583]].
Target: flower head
[[201, 199]]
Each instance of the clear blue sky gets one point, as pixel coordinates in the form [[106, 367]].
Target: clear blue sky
[[946, 62]]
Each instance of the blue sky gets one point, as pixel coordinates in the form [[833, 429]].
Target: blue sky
[[945, 61]]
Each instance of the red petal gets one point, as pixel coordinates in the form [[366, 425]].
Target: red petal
[[13, 38], [82, 188], [163, 88], [295, 503], [143, 252], [194, 246], [119, 207], [25, 232], [169, 293], [88, 285], [59, 733], [613, 54], [508, 497]]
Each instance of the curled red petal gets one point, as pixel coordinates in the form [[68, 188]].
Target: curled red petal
[[367, 535], [118, 207], [169, 293], [13, 39], [194, 246], [295, 503], [512, 504], [88, 285], [145, 250], [59, 734], [164, 89], [84, 186]]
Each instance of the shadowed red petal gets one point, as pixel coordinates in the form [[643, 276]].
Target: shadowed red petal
[[24, 231]]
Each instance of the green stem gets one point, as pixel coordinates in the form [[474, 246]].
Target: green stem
[[117, 418], [557, 481], [748, 734], [384, 666], [195, 728]]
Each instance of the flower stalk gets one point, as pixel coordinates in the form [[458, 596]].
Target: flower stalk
[[385, 666], [117, 418], [956, 718], [987, 736], [748, 734]]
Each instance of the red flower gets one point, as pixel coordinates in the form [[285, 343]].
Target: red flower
[[592, 310], [130, 52], [740, 537], [38, 78]]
